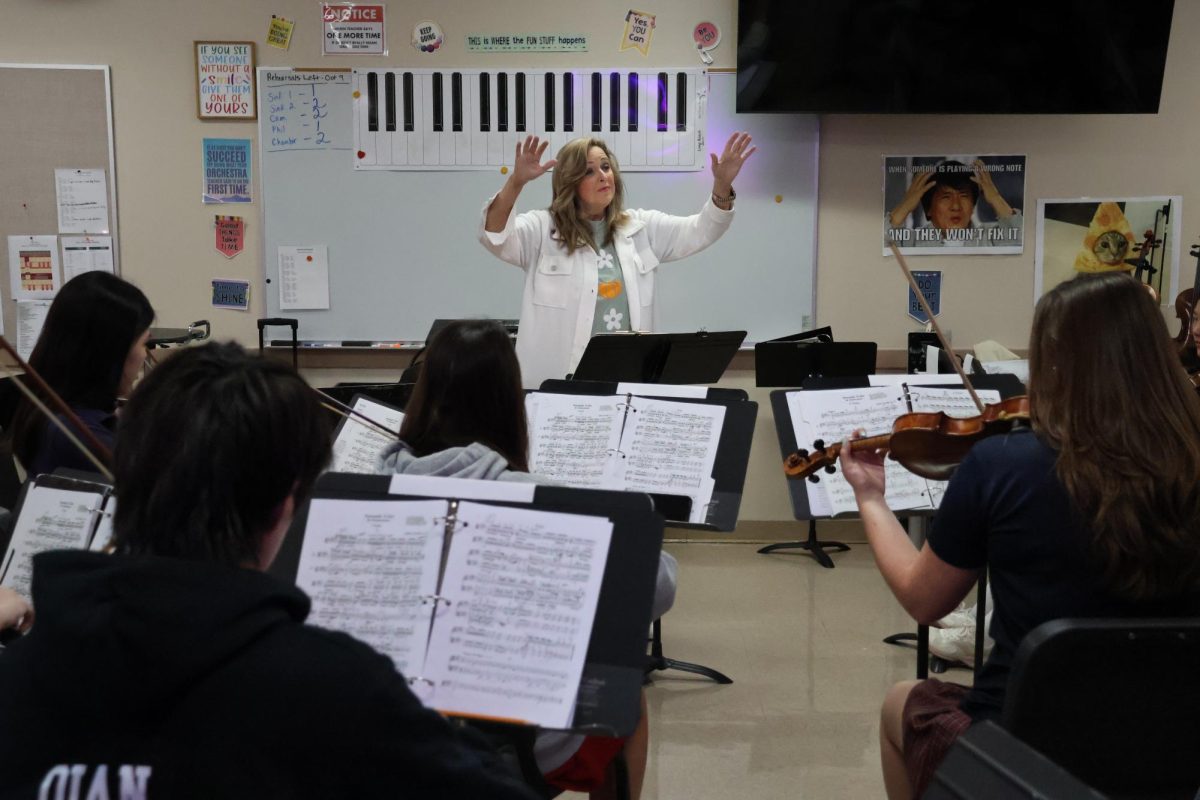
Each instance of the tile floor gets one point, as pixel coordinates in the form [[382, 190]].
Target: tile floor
[[802, 645]]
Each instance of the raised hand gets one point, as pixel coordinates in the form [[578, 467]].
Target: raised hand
[[727, 167], [527, 165], [921, 184], [983, 179]]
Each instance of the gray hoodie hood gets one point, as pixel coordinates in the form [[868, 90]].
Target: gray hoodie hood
[[477, 461]]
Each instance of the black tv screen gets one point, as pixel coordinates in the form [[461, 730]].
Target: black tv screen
[[945, 57]]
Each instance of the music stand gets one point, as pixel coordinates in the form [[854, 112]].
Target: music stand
[[679, 358], [787, 361], [164, 337]]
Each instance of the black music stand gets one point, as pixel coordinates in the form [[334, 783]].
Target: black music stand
[[391, 394], [609, 698], [789, 361], [793, 361], [679, 358]]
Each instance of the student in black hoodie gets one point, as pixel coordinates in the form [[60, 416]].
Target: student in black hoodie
[[175, 667]]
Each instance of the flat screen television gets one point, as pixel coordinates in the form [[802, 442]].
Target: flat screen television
[[946, 57]]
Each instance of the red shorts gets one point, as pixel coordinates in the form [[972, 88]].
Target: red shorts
[[932, 721], [585, 770]]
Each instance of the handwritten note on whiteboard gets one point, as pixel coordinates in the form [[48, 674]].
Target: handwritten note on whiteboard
[[306, 110]]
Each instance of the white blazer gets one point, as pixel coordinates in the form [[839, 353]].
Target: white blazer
[[559, 300]]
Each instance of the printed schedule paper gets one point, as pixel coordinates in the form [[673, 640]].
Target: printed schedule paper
[[501, 631], [82, 200], [303, 277]]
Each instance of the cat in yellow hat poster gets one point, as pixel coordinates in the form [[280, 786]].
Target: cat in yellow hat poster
[[1132, 234]]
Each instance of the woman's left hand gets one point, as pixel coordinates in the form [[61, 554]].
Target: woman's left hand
[[727, 167]]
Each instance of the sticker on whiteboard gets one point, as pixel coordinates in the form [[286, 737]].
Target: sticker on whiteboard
[[706, 36], [427, 36], [639, 29], [231, 294]]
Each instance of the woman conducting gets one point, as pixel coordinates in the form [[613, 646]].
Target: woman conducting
[[1074, 517], [590, 264]]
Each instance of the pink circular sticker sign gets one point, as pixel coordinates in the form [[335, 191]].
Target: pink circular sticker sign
[[706, 36]]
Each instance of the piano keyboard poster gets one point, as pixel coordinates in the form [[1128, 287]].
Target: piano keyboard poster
[[463, 119]]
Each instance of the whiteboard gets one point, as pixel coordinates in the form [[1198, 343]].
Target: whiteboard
[[402, 246]]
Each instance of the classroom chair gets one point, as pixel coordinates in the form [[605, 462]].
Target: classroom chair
[[1115, 702]]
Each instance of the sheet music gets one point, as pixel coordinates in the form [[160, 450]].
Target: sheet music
[[670, 448], [523, 587], [49, 519], [358, 443], [832, 415], [367, 565], [571, 437], [955, 402]]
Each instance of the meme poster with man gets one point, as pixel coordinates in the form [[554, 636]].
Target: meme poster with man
[[954, 205]]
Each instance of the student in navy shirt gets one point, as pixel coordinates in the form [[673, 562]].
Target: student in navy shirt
[[90, 351], [1093, 512]]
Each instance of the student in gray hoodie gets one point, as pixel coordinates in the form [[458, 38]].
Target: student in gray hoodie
[[466, 419]]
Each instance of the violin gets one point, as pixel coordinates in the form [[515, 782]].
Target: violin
[[1185, 304], [930, 445]]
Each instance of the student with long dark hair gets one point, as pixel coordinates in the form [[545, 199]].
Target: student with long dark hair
[[90, 350], [466, 419], [174, 667], [1094, 511]]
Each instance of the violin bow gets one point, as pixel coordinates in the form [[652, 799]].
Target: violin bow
[[338, 407], [936, 328], [95, 451]]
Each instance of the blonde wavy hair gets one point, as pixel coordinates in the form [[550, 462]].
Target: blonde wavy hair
[[1107, 391], [569, 171]]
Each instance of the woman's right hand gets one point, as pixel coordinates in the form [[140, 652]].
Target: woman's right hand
[[921, 184], [528, 165], [14, 611]]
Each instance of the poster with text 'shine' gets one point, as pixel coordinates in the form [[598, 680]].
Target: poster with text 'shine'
[[954, 204], [303, 277], [33, 267]]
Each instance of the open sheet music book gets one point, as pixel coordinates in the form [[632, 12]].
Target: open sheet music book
[[627, 443], [55, 513], [833, 414], [357, 445], [487, 610]]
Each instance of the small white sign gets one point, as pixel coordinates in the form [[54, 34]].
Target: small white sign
[[82, 200], [303, 277]]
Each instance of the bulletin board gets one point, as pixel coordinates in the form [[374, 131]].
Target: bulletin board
[[56, 117]]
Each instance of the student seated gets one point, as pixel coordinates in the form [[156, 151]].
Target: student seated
[[1092, 512], [90, 351], [466, 419], [175, 667]]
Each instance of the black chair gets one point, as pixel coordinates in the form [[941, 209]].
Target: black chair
[[989, 762], [1115, 702]]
